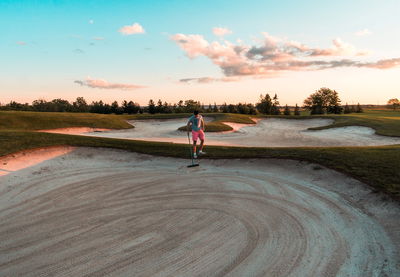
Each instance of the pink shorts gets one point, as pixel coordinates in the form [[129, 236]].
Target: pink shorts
[[197, 134]]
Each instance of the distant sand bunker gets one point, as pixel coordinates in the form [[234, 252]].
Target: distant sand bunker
[[111, 213], [271, 132]]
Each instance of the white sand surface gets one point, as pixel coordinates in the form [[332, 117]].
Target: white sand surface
[[272, 132], [27, 158], [102, 212]]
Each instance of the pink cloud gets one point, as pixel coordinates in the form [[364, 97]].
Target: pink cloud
[[274, 55], [383, 64], [220, 31], [103, 84], [135, 28], [98, 38], [21, 42], [206, 80]]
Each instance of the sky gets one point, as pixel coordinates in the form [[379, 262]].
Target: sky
[[211, 51]]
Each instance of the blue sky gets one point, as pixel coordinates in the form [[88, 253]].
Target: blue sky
[[46, 46]]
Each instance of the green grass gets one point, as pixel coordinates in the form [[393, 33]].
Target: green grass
[[15, 120], [385, 122], [376, 166]]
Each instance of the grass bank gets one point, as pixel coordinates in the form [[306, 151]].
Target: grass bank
[[384, 122], [16, 120]]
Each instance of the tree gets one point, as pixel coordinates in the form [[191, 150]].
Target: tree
[[132, 108], [59, 105], [251, 109], [15, 106], [167, 108], [394, 103], [41, 105], [232, 108], [265, 104], [152, 107], [115, 108], [224, 108], [107, 109], [296, 110], [97, 107], [124, 105], [275, 106], [159, 107], [179, 108], [347, 109], [323, 101], [242, 108], [215, 108], [80, 105], [359, 108], [286, 111], [191, 105]]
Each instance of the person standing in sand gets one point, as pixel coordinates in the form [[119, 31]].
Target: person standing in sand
[[196, 124]]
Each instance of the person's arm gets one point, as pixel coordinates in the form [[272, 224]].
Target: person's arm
[[188, 126], [203, 125]]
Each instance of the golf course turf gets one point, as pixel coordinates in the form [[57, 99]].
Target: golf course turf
[[377, 166]]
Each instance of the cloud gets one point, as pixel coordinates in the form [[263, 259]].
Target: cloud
[[273, 56], [382, 64], [21, 43], [135, 28], [206, 80], [98, 38], [91, 21], [220, 31], [79, 51], [103, 84], [362, 33]]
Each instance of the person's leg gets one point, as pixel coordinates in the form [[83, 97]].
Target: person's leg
[[195, 136], [194, 146], [201, 144], [202, 137]]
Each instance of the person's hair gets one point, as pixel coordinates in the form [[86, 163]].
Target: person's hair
[[195, 112]]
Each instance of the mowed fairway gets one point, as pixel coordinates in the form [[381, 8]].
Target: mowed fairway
[[102, 212]]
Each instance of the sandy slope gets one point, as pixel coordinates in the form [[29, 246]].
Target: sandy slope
[[101, 212], [272, 132]]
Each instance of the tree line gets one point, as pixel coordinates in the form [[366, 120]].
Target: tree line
[[323, 101]]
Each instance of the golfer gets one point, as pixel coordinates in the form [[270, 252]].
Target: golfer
[[196, 124]]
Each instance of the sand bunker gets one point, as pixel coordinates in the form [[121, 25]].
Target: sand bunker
[[105, 212], [27, 158], [272, 132]]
